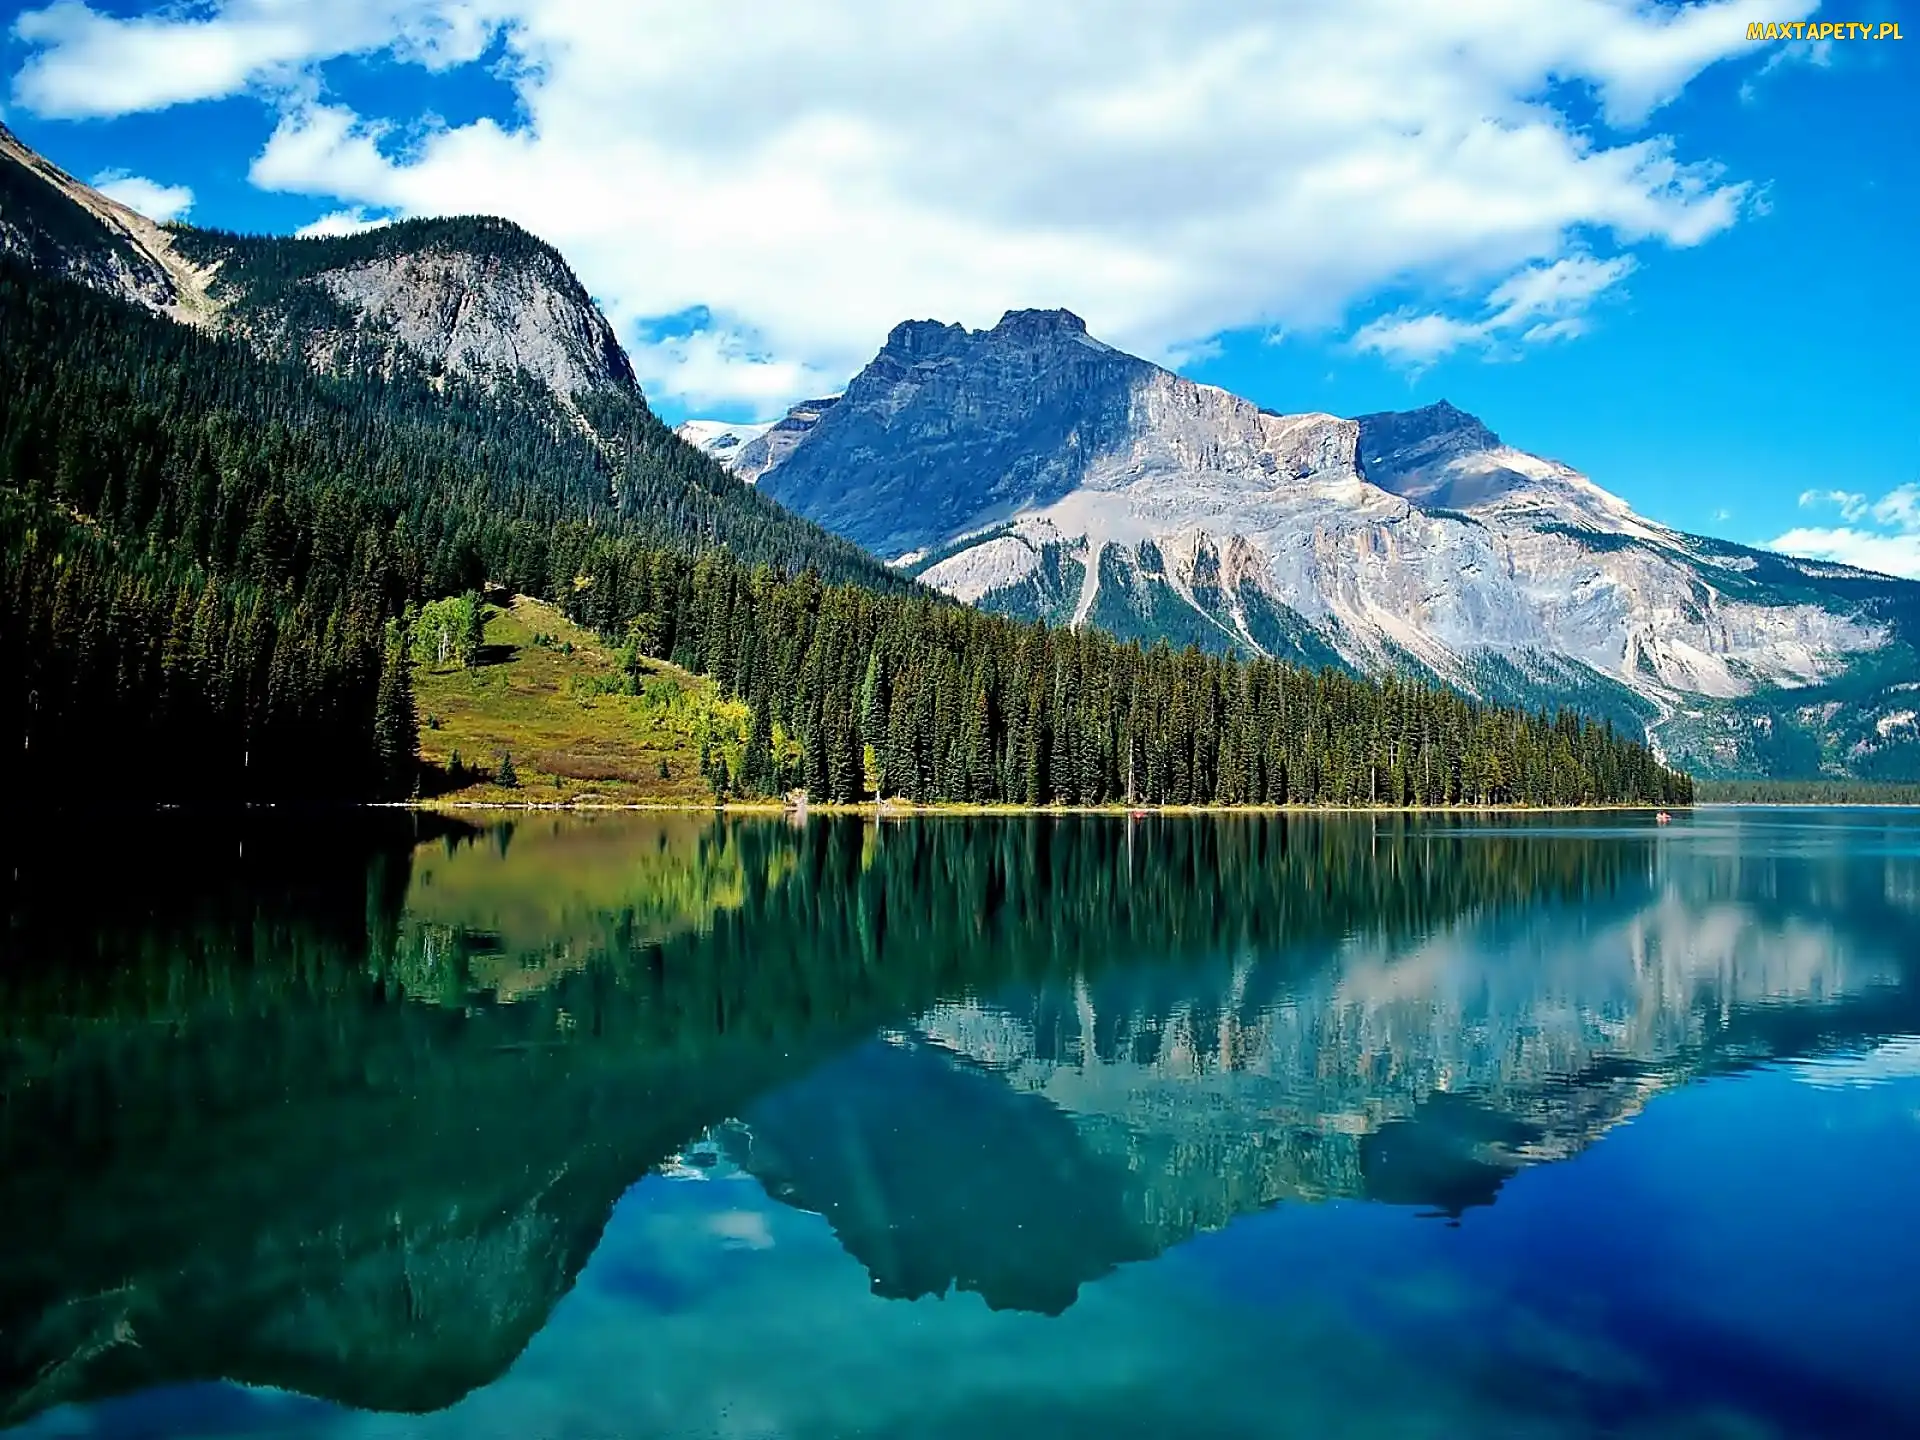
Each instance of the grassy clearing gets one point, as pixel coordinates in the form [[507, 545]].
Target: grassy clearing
[[549, 694]]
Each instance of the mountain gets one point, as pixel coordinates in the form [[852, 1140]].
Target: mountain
[[229, 466], [470, 308], [749, 451], [719, 438], [472, 297], [221, 537], [58, 225], [1032, 470]]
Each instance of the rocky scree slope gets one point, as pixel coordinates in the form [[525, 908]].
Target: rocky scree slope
[[54, 223]]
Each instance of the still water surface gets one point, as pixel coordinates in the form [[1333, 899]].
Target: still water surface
[[660, 1126]]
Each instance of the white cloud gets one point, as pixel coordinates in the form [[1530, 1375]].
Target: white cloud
[[710, 368], [1555, 291], [1416, 339], [87, 63], [1184, 354], [814, 172], [1817, 53], [1900, 509], [1850, 505], [1892, 546], [342, 222], [1888, 554], [149, 197], [1534, 306]]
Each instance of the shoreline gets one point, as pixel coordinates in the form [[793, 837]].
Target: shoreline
[[901, 811]]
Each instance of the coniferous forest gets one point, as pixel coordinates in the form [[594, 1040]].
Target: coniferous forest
[[211, 559]]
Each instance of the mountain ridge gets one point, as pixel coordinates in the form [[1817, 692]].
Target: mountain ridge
[[474, 297], [84, 235], [471, 296], [1082, 462]]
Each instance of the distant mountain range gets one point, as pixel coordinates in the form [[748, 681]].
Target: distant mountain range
[[1033, 470]]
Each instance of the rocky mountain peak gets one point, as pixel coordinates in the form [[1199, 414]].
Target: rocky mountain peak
[[1035, 471], [1039, 324], [475, 297], [922, 339], [1395, 434], [1040, 400], [749, 451], [1440, 455], [58, 225]]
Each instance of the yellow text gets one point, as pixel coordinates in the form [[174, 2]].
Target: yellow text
[[1825, 30]]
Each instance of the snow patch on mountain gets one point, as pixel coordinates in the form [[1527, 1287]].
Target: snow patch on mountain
[[770, 444], [720, 438]]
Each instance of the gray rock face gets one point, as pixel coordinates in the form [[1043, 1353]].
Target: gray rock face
[[479, 315], [1413, 454], [473, 298], [1033, 470]]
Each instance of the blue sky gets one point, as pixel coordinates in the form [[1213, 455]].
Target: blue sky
[[1619, 231]]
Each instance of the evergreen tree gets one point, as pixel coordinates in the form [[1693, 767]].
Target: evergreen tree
[[396, 735]]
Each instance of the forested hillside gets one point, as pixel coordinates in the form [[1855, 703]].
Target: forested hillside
[[853, 693], [208, 553], [204, 548]]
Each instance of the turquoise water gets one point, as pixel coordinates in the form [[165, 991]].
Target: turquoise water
[[642, 1125]]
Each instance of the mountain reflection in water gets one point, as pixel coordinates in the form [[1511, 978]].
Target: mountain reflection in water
[[343, 1107]]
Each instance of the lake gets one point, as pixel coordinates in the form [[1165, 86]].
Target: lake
[[681, 1125]]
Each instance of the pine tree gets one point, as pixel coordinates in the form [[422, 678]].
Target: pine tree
[[396, 735]]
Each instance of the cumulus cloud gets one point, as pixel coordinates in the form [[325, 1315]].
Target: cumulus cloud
[[814, 172], [1883, 535], [149, 197], [715, 368], [1534, 306], [87, 63]]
